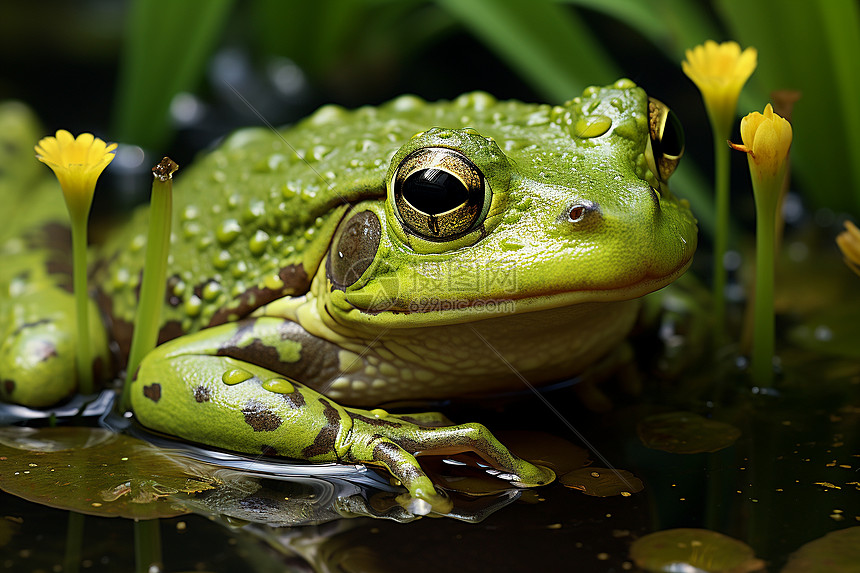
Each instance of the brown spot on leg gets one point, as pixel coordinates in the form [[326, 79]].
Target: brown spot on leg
[[268, 450], [8, 387], [296, 400], [318, 358], [325, 439], [202, 394], [260, 418], [153, 391], [257, 352]]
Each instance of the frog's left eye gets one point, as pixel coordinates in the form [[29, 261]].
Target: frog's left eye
[[438, 193], [667, 138]]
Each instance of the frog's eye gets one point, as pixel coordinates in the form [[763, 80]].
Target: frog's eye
[[438, 193], [353, 249], [667, 138]]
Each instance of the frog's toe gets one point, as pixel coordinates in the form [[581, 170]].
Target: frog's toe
[[423, 496], [533, 476]]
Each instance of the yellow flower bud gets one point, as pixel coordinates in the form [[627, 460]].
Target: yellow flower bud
[[77, 163], [767, 138], [849, 243]]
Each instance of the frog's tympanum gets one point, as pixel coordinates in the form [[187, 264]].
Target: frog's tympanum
[[409, 252]]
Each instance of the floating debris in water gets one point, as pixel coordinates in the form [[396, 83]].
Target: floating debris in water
[[602, 482]]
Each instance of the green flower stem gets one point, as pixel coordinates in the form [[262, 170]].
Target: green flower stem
[[148, 317], [147, 546], [74, 541], [84, 362], [722, 174], [766, 199]]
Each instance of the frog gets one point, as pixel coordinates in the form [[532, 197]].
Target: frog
[[399, 254]]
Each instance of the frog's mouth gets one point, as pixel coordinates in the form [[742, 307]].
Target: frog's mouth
[[429, 310]]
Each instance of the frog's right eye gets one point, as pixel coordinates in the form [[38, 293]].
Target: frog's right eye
[[667, 138], [438, 193]]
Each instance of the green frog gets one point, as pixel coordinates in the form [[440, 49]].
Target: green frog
[[397, 254]]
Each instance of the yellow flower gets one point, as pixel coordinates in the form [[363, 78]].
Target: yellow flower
[[849, 243], [720, 72], [77, 163], [767, 138]]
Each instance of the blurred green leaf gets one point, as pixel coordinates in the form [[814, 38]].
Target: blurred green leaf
[[350, 47], [635, 14], [166, 50], [544, 42], [310, 33], [686, 24]]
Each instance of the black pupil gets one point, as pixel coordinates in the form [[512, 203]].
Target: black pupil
[[672, 142], [433, 191]]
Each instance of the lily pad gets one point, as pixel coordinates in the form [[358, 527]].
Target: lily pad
[[686, 433], [93, 471], [836, 552], [602, 482], [694, 549]]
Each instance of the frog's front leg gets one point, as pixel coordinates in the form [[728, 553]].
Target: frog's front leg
[[188, 388]]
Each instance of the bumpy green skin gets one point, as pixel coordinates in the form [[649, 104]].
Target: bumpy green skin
[[292, 262]]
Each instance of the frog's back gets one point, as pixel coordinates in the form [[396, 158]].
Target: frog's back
[[252, 219]]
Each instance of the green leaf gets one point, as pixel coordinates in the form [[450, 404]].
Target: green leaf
[[166, 49], [545, 43]]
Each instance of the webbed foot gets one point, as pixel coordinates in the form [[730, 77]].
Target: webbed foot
[[231, 404]]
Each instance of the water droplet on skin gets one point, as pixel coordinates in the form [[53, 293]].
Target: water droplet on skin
[[228, 231], [211, 290], [279, 386], [193, 305], [221, 260], [258, 243]]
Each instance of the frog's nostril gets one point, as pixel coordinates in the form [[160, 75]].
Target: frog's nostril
[[577, 212], [581, 212]]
